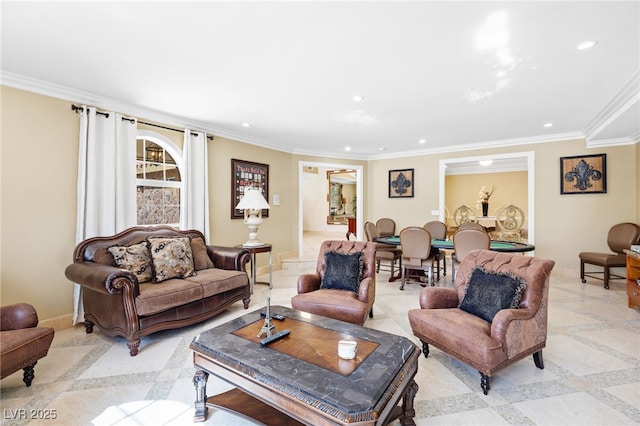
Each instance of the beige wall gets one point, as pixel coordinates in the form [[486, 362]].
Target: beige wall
[[565, 225], [39, 166], [39, 138], [509, 188]]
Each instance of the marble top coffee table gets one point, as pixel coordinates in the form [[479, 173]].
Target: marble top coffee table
[[301, 375]]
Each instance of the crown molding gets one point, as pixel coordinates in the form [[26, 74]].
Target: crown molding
[[628, 96], [484, 145], [75, 96], [605, 143]]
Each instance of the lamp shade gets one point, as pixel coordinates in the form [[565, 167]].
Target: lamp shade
[[252, 199]]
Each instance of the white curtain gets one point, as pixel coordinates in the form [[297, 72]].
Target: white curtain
[[106, 202], [194, 203]]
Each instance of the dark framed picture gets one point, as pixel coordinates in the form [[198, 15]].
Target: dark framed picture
[[583, 174], [245, 174], [401, 183]]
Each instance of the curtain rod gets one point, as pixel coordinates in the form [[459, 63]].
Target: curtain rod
[[77, 109]]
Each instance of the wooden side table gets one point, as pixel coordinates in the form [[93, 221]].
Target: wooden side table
[[633, 274], [255, 250]]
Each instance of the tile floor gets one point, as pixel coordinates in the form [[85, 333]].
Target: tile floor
[[591, 375]]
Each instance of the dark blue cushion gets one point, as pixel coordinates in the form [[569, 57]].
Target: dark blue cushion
[[342, 271], [489, 292]]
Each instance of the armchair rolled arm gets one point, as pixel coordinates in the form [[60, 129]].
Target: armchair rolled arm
[[438, 298], [18, 316], [229, 258], [308, 283], [102, 278], [509, 325], [366, 286]]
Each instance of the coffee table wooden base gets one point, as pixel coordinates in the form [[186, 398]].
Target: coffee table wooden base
[[239, 402]]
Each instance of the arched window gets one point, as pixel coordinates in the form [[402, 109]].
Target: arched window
[[158, 164]]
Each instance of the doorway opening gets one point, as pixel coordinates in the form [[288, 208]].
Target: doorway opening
[[314, 209]]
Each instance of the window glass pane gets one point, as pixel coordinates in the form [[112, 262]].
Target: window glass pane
[[158, 199], [158, 205]]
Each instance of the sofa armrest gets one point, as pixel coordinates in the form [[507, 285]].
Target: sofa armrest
[[438, 298], [18, 316], [102, 278], [308, 283], [229, 258]]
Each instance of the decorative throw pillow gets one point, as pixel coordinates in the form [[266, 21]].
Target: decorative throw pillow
[[171, 258], [342, 271], [135, 258], [201, 258], [489, 292]]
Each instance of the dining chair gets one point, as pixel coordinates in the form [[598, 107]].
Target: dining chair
[[416, 254], [386, 227], [385, 252], [509, 221], [621, 236], [438, 230], [472, 225], [466, 240], [465, 214]]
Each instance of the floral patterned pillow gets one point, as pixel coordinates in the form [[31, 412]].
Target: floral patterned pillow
[[171, 258], [135, 258]]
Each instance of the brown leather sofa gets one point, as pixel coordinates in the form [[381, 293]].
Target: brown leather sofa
[[343, 305], [513, 333], [120, 305], [22, 342]]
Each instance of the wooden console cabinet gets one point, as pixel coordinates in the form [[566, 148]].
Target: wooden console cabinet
[[633, 274]]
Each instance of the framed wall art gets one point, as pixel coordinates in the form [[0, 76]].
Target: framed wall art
[[401, 183], [583, 174], [245, 174]]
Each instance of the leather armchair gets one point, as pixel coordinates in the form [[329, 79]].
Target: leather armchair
[[621, 236], [22, 342], [487, 346], [342, 305]]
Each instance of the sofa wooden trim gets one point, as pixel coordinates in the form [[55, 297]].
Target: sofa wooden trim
[[109, 292]]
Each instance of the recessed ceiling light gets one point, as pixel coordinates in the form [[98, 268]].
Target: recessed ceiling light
[[246, 125], [382, 148], [587, 44], [357, 98], [486, 162], [547, 125], [422, 141], [347, 148]]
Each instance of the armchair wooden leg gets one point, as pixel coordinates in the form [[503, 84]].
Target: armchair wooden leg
[[425, 349], [537, 359], [88, 326], [371, 313], [29, 374], [485, 383], [133, 345]]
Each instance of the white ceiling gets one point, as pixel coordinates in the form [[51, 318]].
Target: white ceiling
[[291, 69]]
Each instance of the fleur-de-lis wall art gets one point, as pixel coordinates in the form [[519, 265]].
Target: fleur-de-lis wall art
[[401, 183], [583, 174]]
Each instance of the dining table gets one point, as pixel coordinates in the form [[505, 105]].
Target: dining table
[[495, 245]]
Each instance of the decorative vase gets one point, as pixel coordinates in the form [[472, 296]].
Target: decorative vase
[[485, 209]]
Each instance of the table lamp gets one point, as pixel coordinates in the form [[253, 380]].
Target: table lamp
[[252, 203]]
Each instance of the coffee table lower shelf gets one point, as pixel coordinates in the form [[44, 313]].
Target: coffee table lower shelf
[[237, 402]]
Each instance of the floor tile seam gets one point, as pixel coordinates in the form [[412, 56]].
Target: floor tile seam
[[83, 364], [511, 414], [536, 390], [616, 404], [614, 378], [608, 350], [450, 404], [112, 381], [160, 389]]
